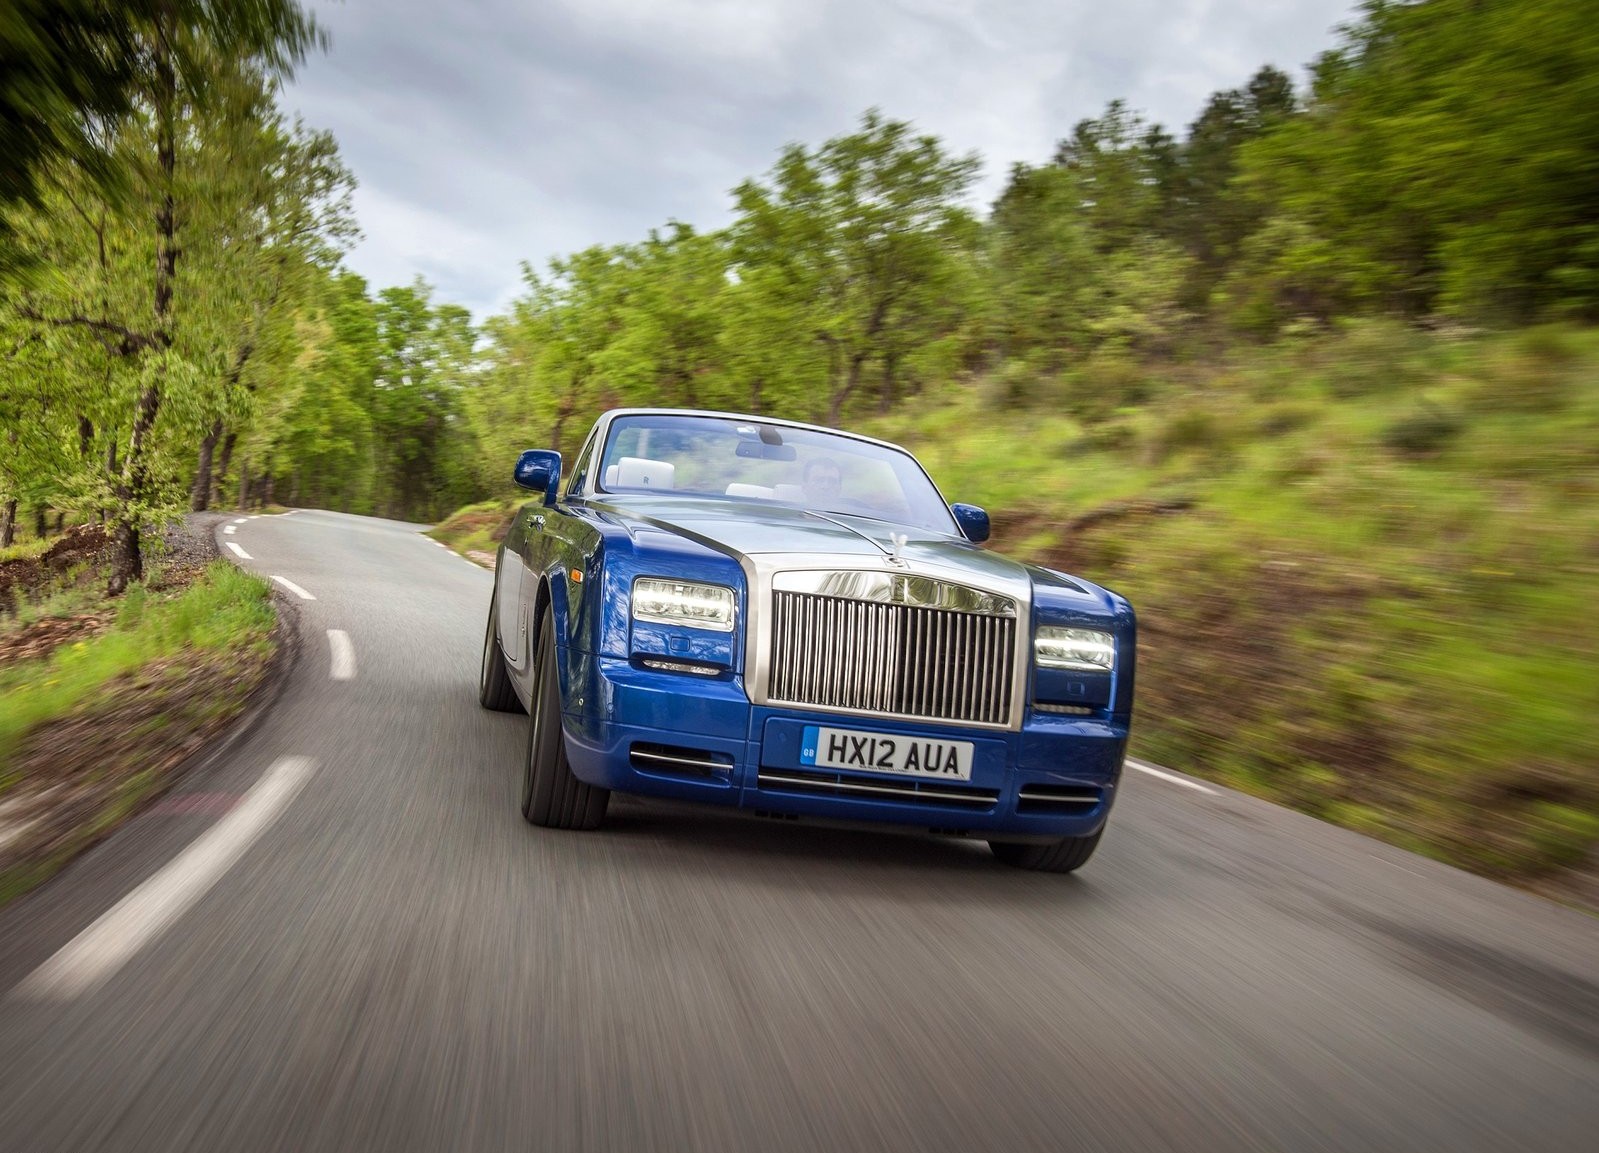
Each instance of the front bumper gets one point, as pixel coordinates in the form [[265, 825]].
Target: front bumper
[[677, 736]]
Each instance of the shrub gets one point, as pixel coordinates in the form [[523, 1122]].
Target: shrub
[[1375, 356], [1423, 432], [1103, 384], [1533, 373]]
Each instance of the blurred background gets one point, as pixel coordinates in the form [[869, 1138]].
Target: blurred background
[[1311, 376]]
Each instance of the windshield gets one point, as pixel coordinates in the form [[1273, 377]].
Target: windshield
[[753, 460]]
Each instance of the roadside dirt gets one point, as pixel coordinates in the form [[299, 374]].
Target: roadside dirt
[[43, 636], [83, 547], [74, 780], [79, 777]]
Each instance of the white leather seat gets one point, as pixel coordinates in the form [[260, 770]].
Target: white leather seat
[[791, 492], [756, 491], [641, 472], [610, 476]]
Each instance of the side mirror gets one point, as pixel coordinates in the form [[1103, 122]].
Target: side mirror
[[973, 521], [539, 470]]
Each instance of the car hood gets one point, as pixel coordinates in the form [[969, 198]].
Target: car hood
[[750, 529]]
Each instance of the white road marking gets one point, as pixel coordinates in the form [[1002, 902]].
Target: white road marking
[[133, 922], [230, 529], [1172, 777], [241, 520], [343, 655], [293, 588], [242, 555], [256, 516]]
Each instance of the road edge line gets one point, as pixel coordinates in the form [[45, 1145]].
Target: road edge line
[[158, 902], [1174, 778]]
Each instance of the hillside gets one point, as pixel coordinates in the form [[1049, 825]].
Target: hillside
[[1364, 569]]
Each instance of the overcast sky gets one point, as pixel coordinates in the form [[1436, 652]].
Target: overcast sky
[[488, 132]]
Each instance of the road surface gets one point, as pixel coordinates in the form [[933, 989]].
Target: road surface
[[345, 937]]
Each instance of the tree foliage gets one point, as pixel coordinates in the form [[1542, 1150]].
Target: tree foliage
[[183, 328], [137, 286]]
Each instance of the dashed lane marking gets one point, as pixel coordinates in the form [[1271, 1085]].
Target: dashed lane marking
[[91, 957], [1172, 777], [293, 588], [343, 655], [239, 552], [230, 529]]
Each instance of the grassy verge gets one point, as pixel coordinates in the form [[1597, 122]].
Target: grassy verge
[[478, 527], [91, 728], [1363, 568]]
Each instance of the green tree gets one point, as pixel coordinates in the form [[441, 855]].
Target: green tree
[[1209, 217], [857, 242], [302, 222], [116, 306], [424, 361], [1448, 158]]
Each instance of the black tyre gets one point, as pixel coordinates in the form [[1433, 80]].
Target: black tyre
[[1061, 857], [551, 795], [494, 689]]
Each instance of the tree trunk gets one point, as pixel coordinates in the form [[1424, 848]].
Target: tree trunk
[[266, 483], [885, 401], [127, 560], [201, 494], [244, 483], [127, 563], [61, 521], [856, 363], [125, 544], [221, 481], [41, 527], [8, 523]]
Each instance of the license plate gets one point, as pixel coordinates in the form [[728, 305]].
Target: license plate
[[880, 753]]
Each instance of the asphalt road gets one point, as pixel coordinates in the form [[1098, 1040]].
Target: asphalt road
[[396, 961]]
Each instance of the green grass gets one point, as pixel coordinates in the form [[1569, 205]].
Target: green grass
[[27, 549], [1379, 609], [227, 609], [476, 527]]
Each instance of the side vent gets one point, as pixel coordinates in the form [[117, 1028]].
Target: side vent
[[653, 758], [1066, 800]]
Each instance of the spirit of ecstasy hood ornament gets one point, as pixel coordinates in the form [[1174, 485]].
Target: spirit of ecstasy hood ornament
[[897, 539]]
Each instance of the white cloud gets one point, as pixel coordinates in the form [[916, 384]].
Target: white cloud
[[491, 133]]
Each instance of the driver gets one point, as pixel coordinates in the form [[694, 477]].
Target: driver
[[823, 480]]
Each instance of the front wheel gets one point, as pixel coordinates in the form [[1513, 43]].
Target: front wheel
[[552, 796], [1061, 857]]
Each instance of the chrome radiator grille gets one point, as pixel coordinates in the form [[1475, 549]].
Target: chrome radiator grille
[[942, 664]]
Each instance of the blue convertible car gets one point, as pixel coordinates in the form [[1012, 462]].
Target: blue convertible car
[[790, 620]]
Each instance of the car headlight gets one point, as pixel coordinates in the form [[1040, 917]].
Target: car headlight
[[1085, 650], [670, 602]]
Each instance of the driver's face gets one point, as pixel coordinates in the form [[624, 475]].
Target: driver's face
[[825, 480]]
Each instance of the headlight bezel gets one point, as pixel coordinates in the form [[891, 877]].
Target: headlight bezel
[[671, 601], [1074, 648]]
